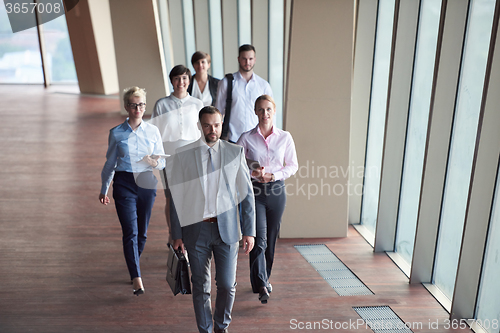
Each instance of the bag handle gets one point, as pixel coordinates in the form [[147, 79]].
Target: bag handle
[[229, 102]]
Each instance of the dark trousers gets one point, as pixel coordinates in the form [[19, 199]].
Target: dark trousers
[[133, 205], [270, 201]]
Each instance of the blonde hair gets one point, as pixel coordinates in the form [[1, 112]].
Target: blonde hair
[[133, 91], [264, 98]]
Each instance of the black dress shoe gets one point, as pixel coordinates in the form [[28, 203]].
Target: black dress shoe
[[269, 288], [263, 295], [221, 331]]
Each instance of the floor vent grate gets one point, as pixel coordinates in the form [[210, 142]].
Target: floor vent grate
[[381, 319], [338, 275]]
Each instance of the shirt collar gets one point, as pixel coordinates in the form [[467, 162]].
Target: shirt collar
[[238, 76], [257, 130], [182, 100], [127, 125], [215, 147]]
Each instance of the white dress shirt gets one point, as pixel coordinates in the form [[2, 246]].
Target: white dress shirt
[[177, 119], [276, 153], [204, 96], [245, 93], [211, 186]]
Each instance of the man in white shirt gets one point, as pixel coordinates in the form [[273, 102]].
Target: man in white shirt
[[247, 86]]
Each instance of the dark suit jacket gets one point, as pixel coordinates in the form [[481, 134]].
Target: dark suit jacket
[[213, 83]]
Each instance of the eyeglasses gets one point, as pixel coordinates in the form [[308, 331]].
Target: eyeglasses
[[136, 105]]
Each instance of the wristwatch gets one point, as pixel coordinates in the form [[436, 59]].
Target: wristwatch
[[273, 179]]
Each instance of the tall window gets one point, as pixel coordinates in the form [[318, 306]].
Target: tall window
[[378, 106], [244, 22], [20, 60], [61, 65], [488, 304], [276, 49], [216, 46], [425, 56], [462, 144], [189, 35]]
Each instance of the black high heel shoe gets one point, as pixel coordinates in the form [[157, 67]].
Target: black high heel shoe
[[138, 285], [139, 291]]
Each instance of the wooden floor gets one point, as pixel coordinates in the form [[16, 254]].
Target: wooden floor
[[61, 261]]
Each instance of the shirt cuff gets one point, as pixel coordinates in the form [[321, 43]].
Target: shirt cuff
[[278, 175]]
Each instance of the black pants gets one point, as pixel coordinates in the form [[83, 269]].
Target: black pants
[[270, 201]]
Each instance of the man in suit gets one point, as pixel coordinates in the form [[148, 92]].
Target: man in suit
[[209, 180]]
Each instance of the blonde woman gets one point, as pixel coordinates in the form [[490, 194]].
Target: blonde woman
[[273, 159], [132, 154]]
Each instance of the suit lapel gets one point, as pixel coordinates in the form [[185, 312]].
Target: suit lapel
[[222, 179], [199, 166]]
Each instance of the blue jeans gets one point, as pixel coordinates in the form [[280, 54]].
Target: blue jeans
[[133, 205]]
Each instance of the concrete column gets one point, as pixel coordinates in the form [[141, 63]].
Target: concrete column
[[139, 49], [91, 36], [260, 36], [318, 117], [230, 35]]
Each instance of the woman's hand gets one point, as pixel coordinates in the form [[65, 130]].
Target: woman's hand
[[151, 160], [103, 198], [266, 178], [258, 173]]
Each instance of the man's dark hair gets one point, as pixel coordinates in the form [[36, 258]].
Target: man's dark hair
[[209, 110], [246, 47], [179, 70]]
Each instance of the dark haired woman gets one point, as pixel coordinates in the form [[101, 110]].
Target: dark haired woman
[[203, 86], [176, 116]]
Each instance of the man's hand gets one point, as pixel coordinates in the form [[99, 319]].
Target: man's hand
[[178, 243], [103, 198], [248, 243]]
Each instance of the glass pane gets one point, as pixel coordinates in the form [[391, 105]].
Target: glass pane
[[244, 22], [20, 60], [217, 53], [376, 122], [425, 56], [276, 49], [165, 34], [462, 144], [488, 305], [60, 63], [189, 35]]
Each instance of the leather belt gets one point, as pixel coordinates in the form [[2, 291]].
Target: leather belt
[[211, 220]]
